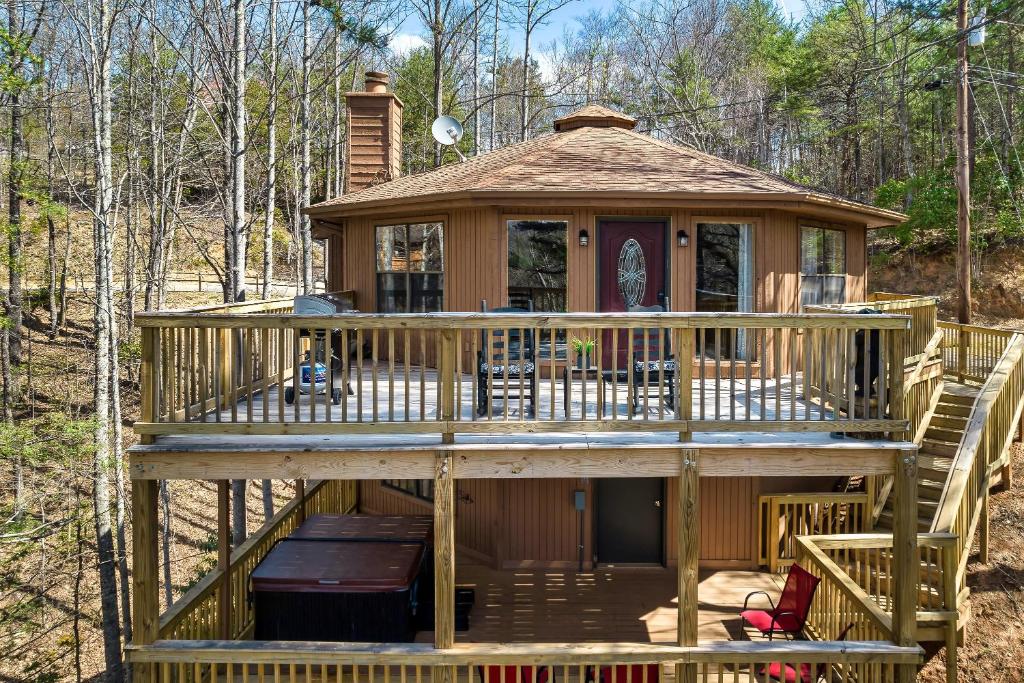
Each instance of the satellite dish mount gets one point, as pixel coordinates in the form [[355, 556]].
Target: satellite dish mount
[[448, 131]]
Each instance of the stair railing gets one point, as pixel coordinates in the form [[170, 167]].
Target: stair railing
[[983, 451]]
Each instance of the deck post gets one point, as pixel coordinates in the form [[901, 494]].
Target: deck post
[[224, 559], [983, 522], [905, 558], [684, 369], [147, 377], [688, 551], [145, 576], [897, 400], [444, 560], [446, 382], [950, 564]]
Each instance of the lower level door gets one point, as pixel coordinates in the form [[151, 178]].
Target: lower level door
[[630, 520]]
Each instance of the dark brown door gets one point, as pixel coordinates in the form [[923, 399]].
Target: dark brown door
[[630, 520], [631, 271]]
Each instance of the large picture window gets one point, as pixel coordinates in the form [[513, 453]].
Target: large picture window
[[822, 266], [537, 272], [725, 283], [410, 268]]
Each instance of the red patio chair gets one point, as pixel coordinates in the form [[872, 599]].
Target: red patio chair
[[787, 674], [789, 615], [627, 673], [527, 674]]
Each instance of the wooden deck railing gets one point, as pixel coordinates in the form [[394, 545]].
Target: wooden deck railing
[[785, 516], [858, 584], [839, 600], [196, 614], [167, 661], [923, 312], [233, 373], [970, 352], [983, 451]]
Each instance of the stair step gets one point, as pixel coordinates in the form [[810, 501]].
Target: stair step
[[953, 409], [938, 448], [948, 422], [950, 436], [930, 490], [958, 399], [885, 522]]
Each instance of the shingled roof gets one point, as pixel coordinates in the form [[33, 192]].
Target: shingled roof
[[593, 150]]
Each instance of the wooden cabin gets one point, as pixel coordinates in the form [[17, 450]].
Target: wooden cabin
[[554, 224], [627, 381]]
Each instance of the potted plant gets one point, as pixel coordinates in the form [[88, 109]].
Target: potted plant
[[584, 349]]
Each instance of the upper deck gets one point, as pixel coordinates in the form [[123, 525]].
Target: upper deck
[[230, 378]]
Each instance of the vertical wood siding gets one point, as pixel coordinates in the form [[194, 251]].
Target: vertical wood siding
[[519, 522]]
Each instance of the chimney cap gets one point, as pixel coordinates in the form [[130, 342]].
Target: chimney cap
[[376, 81]]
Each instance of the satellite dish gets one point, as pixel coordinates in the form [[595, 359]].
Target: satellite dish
[[448, 131]]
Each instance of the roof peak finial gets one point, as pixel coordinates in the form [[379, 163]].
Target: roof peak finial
[[595, 116]]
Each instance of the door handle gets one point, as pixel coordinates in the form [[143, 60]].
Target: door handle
[[657, 503]]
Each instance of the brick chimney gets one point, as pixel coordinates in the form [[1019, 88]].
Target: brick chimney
[[374, 120]]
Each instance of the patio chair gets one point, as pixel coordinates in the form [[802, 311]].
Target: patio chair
[[659, 359], [626, 673], [526, 674], [790, 614], [808, 673], [513, 347]]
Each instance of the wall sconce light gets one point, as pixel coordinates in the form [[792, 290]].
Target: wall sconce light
[[584, 238], [682, 239]]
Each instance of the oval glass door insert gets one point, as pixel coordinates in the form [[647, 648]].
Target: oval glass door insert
[[632, 273]]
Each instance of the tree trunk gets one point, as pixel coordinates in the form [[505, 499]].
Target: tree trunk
[[268, 220], [437, 32], [524, 123], [304, 168], [16, 168], [268, 499], [494, 74], [165, 540]]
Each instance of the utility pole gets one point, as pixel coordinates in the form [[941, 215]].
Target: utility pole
[[963, 174]]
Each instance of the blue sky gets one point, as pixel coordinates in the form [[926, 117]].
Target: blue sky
[[411, 32]]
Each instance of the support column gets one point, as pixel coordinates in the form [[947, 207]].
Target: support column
[[145, 572], [906, 558], [224, 559], [688, 551], [950, 564], [444, 560]]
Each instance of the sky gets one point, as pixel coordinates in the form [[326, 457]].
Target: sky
[[411, 34]]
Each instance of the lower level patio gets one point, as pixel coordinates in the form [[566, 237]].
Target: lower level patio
[[609, 604]]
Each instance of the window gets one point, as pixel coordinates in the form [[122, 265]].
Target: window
[[725, 267], [410, 270], [420, 488], [537, 272], [822, 266], [725, 284]]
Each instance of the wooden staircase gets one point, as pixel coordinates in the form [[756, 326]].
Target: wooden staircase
[[935, 457]]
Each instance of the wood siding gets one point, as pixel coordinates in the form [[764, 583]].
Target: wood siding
[[476, 262], [513, 523]]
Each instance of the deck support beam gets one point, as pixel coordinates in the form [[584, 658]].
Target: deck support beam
[[444, 560], [905, 558], [688, 550], [145, 564]]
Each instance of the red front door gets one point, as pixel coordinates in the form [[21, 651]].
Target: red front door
[[631, 271]]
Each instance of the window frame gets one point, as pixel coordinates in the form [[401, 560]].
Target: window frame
[[822, 263], [407, 223], [418, 490]]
